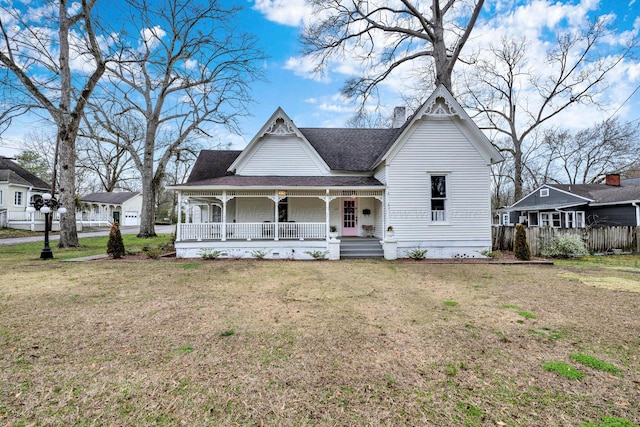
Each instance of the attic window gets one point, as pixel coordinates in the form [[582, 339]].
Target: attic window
[[544, 192]]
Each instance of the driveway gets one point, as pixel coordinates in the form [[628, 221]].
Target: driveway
[[160, 229]]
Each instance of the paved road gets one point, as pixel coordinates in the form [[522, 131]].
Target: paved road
[[160, 229]]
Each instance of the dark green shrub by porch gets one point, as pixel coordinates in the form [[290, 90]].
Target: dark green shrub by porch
[[115, 245], [520, 245]]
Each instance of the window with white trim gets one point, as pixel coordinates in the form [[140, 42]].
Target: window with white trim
[[550, 219], [1, 198], [580, 219], [544, 192], [438, 198], [505, 219], [18, 198]]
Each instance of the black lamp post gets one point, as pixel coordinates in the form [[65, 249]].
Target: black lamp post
[[46, 204]]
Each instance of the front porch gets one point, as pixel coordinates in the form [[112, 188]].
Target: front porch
[[285, 223]]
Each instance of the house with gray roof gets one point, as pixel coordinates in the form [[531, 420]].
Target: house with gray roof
[[103, 208], [18, 187], [296, 192], [614, 203]]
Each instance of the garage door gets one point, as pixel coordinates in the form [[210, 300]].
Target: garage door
[[131, 218]]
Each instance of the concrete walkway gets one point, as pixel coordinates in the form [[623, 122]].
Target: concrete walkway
[[160, 229]]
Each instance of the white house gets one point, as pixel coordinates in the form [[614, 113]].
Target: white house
[[427, 177], [18, 188], [102, 208]]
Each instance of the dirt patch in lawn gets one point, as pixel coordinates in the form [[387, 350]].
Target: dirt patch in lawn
[[193, 342]]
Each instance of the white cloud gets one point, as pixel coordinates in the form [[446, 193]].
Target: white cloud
[[152, 36], [285, 12], [305, 67], [191, 64]]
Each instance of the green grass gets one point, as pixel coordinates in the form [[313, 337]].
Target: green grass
[[595, 363], [563, 369], [611, 422], [88, 246], [450, 303], [527, 315]]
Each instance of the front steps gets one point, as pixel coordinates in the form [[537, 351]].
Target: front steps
[[358, 247]]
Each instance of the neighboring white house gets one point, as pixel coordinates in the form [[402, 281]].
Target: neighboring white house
[[427, 177], [102, 208], [18, 188]]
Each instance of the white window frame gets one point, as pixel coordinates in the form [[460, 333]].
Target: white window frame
[[18, 198], [580, 219], [550, 219], [439, 216], [544, 192], [505, 219]]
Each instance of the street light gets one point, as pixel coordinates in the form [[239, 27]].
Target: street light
[[46, 204]]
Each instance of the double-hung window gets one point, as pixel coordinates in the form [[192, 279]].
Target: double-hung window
[[438, 198], [18, 198], [550, 219]]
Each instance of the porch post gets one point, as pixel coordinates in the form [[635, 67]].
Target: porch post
[[326, 214], [276, 201], [223, 232], [179, 225]]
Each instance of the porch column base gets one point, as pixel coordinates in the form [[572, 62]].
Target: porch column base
[[390, 248], [334, 250]]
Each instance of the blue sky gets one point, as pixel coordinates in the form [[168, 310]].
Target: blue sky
[[313, 101]]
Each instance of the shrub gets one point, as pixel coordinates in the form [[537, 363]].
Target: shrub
[[115, 245], [153, 253], [520, 246], [260, 253], [318, 255], [209, 253], [417, 253], [565, 246]]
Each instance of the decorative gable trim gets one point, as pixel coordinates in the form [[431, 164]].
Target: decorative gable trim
[[440, 107], [280, 126]]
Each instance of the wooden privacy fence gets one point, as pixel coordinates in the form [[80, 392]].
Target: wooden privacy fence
[[597, 239]]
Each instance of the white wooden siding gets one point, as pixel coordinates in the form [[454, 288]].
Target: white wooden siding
[[282, 156], [438, 146], [254, 209], [380, 174], [306, 209]]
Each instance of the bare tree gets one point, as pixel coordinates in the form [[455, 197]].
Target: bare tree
[[586, 156], [514, 95], [189, 70], [387, 35], [111, 164], [40, 45]]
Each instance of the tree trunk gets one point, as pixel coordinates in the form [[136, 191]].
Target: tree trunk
[[517, 175], [147, 216], [67, 191]]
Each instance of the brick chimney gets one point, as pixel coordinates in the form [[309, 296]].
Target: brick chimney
[[399, 116], [612, 179]]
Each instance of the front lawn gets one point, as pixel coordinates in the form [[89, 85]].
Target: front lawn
[[282, 343]]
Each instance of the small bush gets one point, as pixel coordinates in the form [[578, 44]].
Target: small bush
[[564, 369], [209, 253], [153, 253], [318, 255], [260, 253], [565, 246], [520, 246], [488, 253], [417, 253], [115, 245]]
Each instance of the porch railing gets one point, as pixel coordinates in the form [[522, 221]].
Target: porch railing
[[253, 230], [26, 216]]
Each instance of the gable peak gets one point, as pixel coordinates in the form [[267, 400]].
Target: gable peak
[[440, 106], [280, 125]]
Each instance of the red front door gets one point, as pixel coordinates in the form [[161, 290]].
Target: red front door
[[349, 217]]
